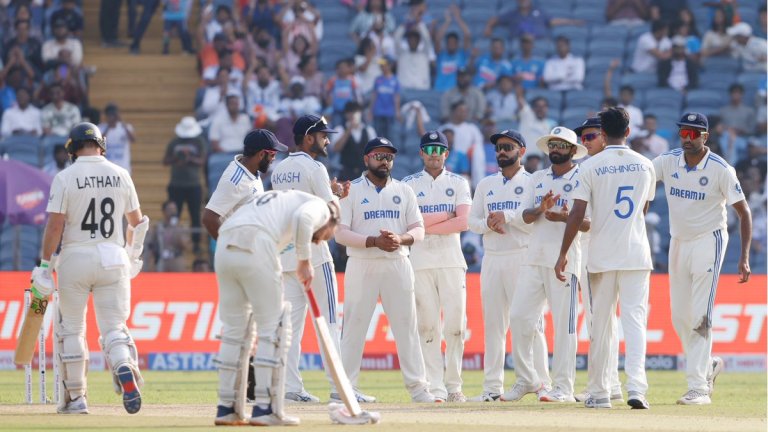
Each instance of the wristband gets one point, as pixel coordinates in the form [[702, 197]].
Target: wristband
[[44, 263]]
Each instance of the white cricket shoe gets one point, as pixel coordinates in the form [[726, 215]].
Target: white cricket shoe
[[637, 400], [457, 397], [615, 396], [77, 406], [717, 366], [301, 397], [597, 403], [581, 397], [693, 397], [265, 417], [556, 395], [486, 397], [361, 397], [226, 416], [424, 396], [518, 391]]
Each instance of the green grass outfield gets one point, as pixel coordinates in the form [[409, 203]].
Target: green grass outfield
[[186, 401]]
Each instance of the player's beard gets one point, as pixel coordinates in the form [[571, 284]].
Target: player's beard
[[264, 165], [382, 172], [557, 158], [503, 163], [319, 149]]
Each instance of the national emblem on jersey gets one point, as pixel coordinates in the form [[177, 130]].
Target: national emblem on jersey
[[396, 199], [449, 192], [703, 180], [567, 187], [519, 190]]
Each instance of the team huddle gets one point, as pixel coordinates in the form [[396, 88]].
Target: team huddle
[[573, 230]]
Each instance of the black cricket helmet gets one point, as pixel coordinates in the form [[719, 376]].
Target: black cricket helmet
[[83, 132]]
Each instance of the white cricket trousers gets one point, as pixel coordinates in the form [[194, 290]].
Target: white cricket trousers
[[324, 288], [630, 287], [538, 285], [365, 280], [694, 269], [499, 277], [436, 289]]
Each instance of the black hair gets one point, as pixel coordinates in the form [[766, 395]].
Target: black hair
[[563, 38], [365, 43], [627, 87], [539, 98], [457, 104], [614, 121], [305, 59], [609, 102], [658, 25], [383, 6], [735, 86], [452, 35], [650, 116]]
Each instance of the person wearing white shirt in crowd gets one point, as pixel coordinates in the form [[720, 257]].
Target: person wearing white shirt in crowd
[[751, 50], [213, 97], [119, 135], [564, 71], [626, 98], [228, 129], [62, 41], [296, 103], [534, 120], [385, 43], [262, 94], [22, 118], [60, 116], [502, 101], [350, 139], [654, 144], [236, 75], [468, 140], [652, 47], [414, 58]]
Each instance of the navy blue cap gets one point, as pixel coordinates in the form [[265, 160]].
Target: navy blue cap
[[592, 122], [379, 142], [695, 120], [309, 124], [262, 139], [509, 133], [434, 138]]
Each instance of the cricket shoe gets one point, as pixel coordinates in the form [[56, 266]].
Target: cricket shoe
[[486, 397], [545, 388], [265, 417], [131, 395], [77, 406], [556, 395], [637, 400], [591, 402], [615, 397], [693, 397], [717, 366], [301, 397], [226, 416], [457, 397], [361, 398], [518, 391], [424, 396]]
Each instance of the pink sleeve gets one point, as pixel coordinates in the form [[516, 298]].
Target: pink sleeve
[[454, 225], [349, 238], [431, 219]]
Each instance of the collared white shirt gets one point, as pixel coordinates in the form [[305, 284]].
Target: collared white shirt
[[16, 118], [643, 61], [469, 140], [230, 134], [616, 183], [697, 196], [236, 187], [564, 73], [532, 127], [118, 143], [442, 194], [368, 209]]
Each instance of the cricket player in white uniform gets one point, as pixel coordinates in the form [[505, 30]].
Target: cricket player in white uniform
[[537, 283], [497, 214], [439, 267], [300, 171], [250, 281], [379, 219], [593, 140], [85, 212], [618, 185], [699, 184]]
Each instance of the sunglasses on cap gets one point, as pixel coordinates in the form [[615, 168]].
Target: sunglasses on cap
[[589, 136], [689, 133], [322, 120], [504, 147], [434, 149], [389, 157]]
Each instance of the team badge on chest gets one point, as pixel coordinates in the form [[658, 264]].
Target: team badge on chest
[[703, 181], [396, 199], [449, 192], [519, 190], [567, 187]]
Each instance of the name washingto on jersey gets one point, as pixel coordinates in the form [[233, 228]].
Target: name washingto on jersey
[[503, 205], [687, 194], [381, 214], [97, 182], [437, 208], [619, 169], [287, 177]]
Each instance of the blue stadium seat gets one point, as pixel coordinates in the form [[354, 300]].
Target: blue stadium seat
[[429, 98], [661, 98], [592, 3], [555, 7], [579, 47], [23, 148], [580, 112], [721, 64], [606, 48], [751, 80], [46, 148], [703, 98], [636, 31], [217, 163], [716, 80], [591, 14], [554, 98], [571, 32], [586, 99], [640, 80], [607, 32], [543, 48]]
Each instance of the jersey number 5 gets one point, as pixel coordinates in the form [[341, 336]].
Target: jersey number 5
[[107, 225], [621, 198]]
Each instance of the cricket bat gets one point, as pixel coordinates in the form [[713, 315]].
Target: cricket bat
[[332, 359], [30, 329]]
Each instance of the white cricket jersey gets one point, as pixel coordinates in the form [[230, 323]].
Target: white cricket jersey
[[438, 195], [511, 196], [697, 196], [282, 215], [368, 209], [94, 194], [547, 236], [236, 187], [616, 183], [298, 171]]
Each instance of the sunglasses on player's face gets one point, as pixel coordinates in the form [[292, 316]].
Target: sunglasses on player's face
[[389, 157], [270, 152], [561, 145], [500, 147], [589, 137], [691, 134], [434, 149]]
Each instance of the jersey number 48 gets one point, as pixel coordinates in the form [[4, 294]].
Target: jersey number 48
[[106, 225]]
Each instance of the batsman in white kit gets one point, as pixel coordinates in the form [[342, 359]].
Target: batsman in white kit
[[301, 171], [497, 214], [537, 283], [86, 207], [618, 185], [699, 184], [439, 267], [379, 219], [250, 280]]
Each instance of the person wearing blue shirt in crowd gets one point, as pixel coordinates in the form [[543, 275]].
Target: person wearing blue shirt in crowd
[[385, 99], [491, 66], [527, 19], [457, 162], [527, 69], [452, 58]]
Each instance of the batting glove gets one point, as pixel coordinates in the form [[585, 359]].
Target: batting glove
[[42, 282]]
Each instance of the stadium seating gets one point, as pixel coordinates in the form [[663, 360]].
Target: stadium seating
[[217, 163], [654, 98], [23, 148], [704, 98]]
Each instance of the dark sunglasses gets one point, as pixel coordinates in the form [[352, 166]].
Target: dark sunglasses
[[270, 152], [504, 147], [589, 136], [562, 145], [689, 133], [389, 157], [434, 149]]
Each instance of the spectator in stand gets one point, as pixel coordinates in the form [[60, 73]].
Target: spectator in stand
[[296, 103], [59, 116], [228, 129], [502, 103], [60, 160], [175, 16], [491, 66], [527, 19], [213, 96], [17, 62], [716, 41], [366, 65], [385, 100], [226, 60], [296, 48], [24, 12], [491, 164], [262, 97], [22, 118], [66, 75], [109, 21], [342, 88], [527, 69], [314, 79], [185, 155], [147, 12], [261, 44], [749, 49], [534, 119], [260, 14], [679, 72], [419, 17], [351, 140], [651, 144], [363, 21], [209, 53], [626, 98], [737, 116], [761, 30], [120, 137], [62, 41], [385, 43], [414, 57], [685, 25], [564, 71], [627, 12], [473, 98], [299, 17], [532, 163], [452, 58], [667, 10], [29, 46], [652, 47], [457, 163], [467, 140], [167, 241], [213, 23], [69, 14]]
